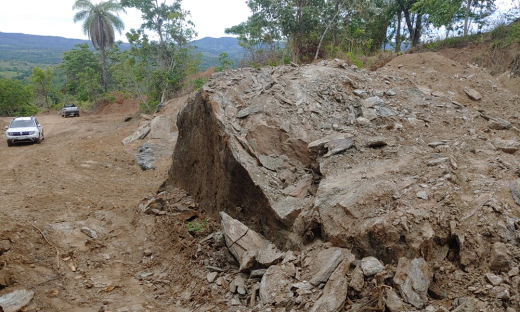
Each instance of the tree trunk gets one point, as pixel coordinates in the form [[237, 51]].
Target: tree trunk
[[415, 34], [418, 30], [466, 19], [104, 63], [398, 34]]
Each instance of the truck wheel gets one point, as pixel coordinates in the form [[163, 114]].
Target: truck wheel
[[9, 143], [77, 115], [39, 139]]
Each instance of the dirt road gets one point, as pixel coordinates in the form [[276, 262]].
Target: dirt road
[[69, 227]]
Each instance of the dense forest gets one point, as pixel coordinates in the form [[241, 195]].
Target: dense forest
[[161, 60]]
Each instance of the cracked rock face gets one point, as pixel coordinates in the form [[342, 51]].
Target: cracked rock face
[[326, 151]]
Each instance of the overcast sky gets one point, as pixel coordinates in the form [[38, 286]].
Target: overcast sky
[[55, 18]]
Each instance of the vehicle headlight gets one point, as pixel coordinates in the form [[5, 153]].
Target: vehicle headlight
[[32, 132], [9, 133]]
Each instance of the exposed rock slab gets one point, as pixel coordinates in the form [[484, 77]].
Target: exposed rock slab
[[139, 134], [14, 301], [160, 127], [335, 291], [413, 278]]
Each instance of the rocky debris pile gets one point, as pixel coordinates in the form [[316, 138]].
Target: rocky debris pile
[[161, 132], [411, 165]]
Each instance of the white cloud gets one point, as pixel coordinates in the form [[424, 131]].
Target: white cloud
[[55, 18]]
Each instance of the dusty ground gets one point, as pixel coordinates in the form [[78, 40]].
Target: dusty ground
[[82, 176]]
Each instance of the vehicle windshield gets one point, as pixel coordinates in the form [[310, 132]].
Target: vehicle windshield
[[22, 123], [69, 105]]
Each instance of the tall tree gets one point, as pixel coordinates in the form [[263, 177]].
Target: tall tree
[[77, 61], [99, 23], [42, 80], [13, 97], [165, 61], [409, 16]]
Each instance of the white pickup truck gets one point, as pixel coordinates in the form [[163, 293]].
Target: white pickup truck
[[69, 110]]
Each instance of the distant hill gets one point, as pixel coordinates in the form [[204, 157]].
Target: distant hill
[[210, 48], [19, 53]]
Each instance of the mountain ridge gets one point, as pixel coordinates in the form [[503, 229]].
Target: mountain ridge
[[20, 52]]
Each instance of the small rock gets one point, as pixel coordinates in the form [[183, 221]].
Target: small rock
[[323, 275], [515, 190], [362, 121], [257, 273], [501, 292], [211, 277], [357, 280], [495, 280], [390, 93], [89, 232], [14, 301], [499, 259], [473, 94], [499, 124], [371, 266], [393, 301], [412, 278], [422, 195]]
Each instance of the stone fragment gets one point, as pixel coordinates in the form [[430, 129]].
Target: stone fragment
[[362, 121], [211, 277], [412, 278], [239, 238], [422, 195], [271, 162], [499, 124], [240, 284], [249, 111], [515, 190], [473, 94], [357, 280], [248, 260], [275, 285], [257, 273], [393, 302], [436, 292], [269, 255], [16, 300], [501, 292], [390, 93], [323, 275], [338, 146], [499, 259], [139, 134], [371, 266], [495, 280], [335, 291], [89, 232], [160, 127]]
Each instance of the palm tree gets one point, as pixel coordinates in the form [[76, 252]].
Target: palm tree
[[99, 23]]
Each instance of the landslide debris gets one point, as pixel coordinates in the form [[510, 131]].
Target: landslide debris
[[385, 190]]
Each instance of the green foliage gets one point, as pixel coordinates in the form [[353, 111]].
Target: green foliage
[[42, 83], [352, 58], [78, 61], [15, 98], [198, 83], [197, 226], [505, 35], [159, 68], [224, 61]]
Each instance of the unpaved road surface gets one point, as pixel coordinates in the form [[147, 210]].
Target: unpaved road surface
[[81, 176]]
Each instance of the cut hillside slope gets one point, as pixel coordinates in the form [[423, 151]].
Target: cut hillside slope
[[413, 161]]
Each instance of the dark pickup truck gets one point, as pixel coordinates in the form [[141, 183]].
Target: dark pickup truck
[[69, 110]]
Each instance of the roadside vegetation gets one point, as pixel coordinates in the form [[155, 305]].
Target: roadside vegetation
[[161, 64]]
